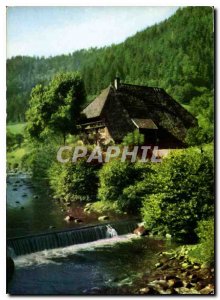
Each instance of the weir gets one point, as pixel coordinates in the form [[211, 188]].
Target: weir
[[63, 238]]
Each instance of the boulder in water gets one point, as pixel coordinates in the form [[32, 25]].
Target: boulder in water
[[69, 218], [141, 231], [103, 218]]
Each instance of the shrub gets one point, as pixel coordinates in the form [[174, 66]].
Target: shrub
[[40, 159], [182, 196], [205, 232], [132, 196], [114, 177], [104, 207], [77, 181], [133, 139], [198, 136], [119, 182], [14, 140]]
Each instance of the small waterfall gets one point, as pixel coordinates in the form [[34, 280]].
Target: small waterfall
[[111, 232], [64, 238]]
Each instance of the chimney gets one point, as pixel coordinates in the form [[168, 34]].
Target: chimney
[[117, 83]]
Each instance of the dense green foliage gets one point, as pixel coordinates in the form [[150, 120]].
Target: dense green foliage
[[176, 54], [14, 140], [115, 179], [203, 107], [206, 234], [133, 139], [182, 196], [57, 106], [73, 181], [16, 146]]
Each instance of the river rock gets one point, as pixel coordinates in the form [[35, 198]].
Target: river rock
[[52, 227], [144, 291], [86, 209], [187, 284], [103, 218], [141, 231], [95, 290], [170, 276], [164, 267], [175, 282], [185, 291], [185, 265], [205, 265], [36, 197], [196, 267], [18, 202], [200, 285], [69, 218], [208, 290], [24, 195], [159, 264], [160, 287], [78, 221]]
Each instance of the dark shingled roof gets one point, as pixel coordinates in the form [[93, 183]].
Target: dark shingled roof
[[95, 108], [153, 105]]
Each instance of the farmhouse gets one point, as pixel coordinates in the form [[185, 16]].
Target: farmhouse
[[121, 108]]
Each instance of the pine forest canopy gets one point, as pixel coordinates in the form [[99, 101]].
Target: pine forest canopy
[[176, 55]]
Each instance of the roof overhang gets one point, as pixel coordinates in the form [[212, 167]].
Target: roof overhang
[[144, 123]]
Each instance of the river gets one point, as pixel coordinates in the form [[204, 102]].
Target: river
[[99, 267]]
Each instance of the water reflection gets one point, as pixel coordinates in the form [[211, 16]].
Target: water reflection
[[29, 208]]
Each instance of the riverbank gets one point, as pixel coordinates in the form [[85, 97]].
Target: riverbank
[[32, 209], [176, 274], [173, 274]]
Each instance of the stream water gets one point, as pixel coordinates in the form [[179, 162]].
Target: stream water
[[115, 260], [31, 209]]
